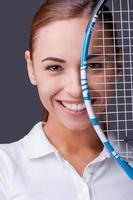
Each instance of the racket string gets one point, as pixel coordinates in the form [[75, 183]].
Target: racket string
[[118, 110]]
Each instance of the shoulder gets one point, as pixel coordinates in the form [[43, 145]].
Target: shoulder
[[12, 152], [15, 154], [9, 154], [8, 164], [16, 159], [10, 147], [9, 151], [12, 160]]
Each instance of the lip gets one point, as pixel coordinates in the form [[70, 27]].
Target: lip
[[70, 112]]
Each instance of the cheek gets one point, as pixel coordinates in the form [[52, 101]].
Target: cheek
[[104, 86], [110, 88], [47, 89]]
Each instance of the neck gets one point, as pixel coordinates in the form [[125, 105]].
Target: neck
[[72, 141]]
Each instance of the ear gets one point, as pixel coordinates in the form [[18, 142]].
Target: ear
[[30, 67]]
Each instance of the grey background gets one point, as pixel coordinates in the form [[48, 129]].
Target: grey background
[[20, 107]]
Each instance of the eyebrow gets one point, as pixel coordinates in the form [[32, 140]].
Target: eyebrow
[[53, 59], [95, 54]]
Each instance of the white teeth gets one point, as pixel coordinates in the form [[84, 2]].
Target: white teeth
[[74, 107]]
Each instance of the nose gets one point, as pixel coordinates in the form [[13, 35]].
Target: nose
[[73, 85]]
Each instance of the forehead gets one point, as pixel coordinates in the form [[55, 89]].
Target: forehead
[[102, 38], [61, 32], [59, 36]]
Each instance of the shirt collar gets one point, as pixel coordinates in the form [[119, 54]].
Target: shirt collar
[[36, 144], [120, 147]]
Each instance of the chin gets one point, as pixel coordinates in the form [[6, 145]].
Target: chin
[[77, 126]]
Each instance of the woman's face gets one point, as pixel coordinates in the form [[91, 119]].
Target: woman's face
[[55, 70]]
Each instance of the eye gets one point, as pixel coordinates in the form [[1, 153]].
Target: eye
[[95, 66], [54, 68]]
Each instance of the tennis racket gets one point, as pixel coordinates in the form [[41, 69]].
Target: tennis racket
[[107, 77]]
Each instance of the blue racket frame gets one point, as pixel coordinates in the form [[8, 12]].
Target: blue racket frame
[[87, 99]]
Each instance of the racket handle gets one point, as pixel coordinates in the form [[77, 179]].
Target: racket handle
[[123, 164]]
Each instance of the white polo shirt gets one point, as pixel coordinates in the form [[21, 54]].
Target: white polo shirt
[[32, 169]]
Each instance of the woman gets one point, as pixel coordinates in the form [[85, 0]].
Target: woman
[[61, 157]]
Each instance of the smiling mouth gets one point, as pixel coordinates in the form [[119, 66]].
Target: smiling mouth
[[74, 106]]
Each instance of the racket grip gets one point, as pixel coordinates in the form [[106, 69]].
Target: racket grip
[[122, 163]]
